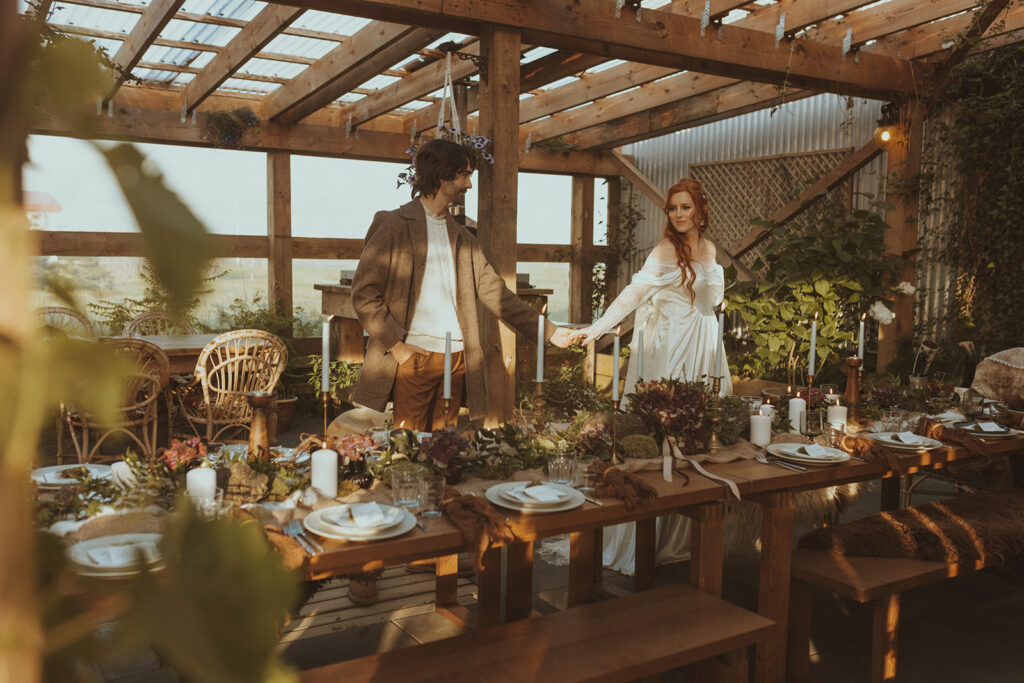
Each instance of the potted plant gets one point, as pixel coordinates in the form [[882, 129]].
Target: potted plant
[[342, 377]]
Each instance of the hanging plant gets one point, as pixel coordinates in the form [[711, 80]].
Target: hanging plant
[[227, 128]]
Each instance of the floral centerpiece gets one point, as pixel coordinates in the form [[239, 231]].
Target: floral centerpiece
[[674, 410], [448, 453]]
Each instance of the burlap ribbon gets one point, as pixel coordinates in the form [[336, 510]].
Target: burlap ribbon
[[614, 482], [869, 450], [953, 436], [482, 526]]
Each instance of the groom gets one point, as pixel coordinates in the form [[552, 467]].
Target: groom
[[422, 275]]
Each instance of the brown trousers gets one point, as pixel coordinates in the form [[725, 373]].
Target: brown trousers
[[419, 386]]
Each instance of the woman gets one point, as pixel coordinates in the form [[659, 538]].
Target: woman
[[675, 295]]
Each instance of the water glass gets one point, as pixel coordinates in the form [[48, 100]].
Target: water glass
[[893, 420], [561, 470], [754, 404], [212, 509], [586, 479], [432, 493], [834, 434], [405, 485]]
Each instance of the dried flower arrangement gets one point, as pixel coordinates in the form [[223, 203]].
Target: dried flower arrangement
[[674, 410]]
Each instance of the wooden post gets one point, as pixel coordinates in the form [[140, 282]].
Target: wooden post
[[581, 283], [279, 233], [902, 171], [614, 223], [499, 121]]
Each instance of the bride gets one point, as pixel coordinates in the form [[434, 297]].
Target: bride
[[674, 295]]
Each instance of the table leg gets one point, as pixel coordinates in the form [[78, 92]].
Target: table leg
[[885, 619], [645, 553], [707, 546], [519, 581], [446, 584], [891, 493], [773, 591], [798, 641], [584, 553], [488, 584]]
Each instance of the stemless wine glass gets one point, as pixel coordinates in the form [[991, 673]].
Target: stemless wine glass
[[561, 470], [405, 485]]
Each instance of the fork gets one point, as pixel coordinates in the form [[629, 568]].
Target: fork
[[294, 529], [765, 460]]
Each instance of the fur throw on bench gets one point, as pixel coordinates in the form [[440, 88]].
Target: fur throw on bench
[[984, 527]]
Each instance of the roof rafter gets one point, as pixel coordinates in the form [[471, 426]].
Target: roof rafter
[[146, 30], [934, 37]]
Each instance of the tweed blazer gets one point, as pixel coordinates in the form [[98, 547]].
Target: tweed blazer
[[387, 284]]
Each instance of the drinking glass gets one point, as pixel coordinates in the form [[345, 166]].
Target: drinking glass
[[893, 420], [405, 485], [586, 480], [754, 404], [834, 434], [561, 470], [432, 492]]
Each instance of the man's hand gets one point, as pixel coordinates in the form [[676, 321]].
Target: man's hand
[[561, 337], [403, 352]]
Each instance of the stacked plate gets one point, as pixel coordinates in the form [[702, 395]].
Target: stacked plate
[[115, 557], [987, 430], [60, 475], [906, 441], [808, 454], [360, 522], [534, 498]]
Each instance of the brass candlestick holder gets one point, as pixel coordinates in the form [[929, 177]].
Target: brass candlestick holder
[[615, 431], [714, 445], [538, 402], [259, 437], [853, 365], [447, 406], [325, 398]]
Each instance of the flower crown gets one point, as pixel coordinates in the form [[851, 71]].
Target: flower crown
[[477, 145]]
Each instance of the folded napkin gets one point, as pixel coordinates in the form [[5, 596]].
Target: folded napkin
[[909, 438], [991, 427], [618, 483], [367, 515], [537, 494], [816, 451], [870, 450], [954, 436], [482, 526]]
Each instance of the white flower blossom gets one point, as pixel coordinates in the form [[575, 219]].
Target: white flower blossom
[[880, 312], [905, 288]]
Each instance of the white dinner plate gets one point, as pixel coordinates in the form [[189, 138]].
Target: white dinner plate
[[337, 518], [496, 494], [313, 523], [1005, 434], [563, 496], [83, 554], [887, 439], [50, 477], [793, 452]]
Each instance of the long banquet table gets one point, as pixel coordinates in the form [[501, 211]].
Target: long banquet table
[[770, 486]]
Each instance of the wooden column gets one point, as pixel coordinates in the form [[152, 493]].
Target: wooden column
[[581, 283], [279, 232], [614, 222], [903, 168], [499, 184]]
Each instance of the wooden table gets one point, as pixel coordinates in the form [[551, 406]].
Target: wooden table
[[182, 349]]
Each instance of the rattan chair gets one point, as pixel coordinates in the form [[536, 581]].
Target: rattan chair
[[156, 322], [213, 400], [136, 417], [66, 320]]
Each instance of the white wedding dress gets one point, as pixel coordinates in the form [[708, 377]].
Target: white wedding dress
[[681, 340]]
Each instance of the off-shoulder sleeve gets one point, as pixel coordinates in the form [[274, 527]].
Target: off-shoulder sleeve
[[655, 273]]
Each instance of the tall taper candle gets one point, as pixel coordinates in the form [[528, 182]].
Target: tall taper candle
[[447, 365], [540, 344], [860, 338], [814, 343], [615, 366], [325, 369], [639, 354]]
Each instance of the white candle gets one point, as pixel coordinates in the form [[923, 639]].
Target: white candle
[[325, 369], [836, 413], [615, 366], [814, 342], [201, 485], [447, 366], [324, 474], [540, 344], [860, 339], [797, 412], [760, 430], [640, 354]]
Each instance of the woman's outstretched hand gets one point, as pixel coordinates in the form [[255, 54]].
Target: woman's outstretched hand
[[584, 336]]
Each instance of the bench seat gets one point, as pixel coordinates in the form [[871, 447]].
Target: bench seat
[[614, 640]]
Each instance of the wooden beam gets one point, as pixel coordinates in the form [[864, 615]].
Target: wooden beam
[[373, 48], [499, 114], [843, 170], [872, 23], [553, 67], [263, 28], [279, 232], [146, 30], [581, 267], [934, 37], [656, 195], [660, 38]]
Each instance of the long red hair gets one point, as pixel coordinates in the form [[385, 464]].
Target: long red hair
[[700, 216]]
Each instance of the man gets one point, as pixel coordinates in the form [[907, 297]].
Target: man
[[422, 275]]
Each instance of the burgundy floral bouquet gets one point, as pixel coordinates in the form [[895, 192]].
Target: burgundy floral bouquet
[[182, 454], [673, 409], [445, 451]]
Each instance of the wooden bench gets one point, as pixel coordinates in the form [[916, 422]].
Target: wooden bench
[[615, 640], [875, 580]]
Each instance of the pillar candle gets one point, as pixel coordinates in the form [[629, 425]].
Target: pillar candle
[[540, 344], [760, 430], [797, 413], [860, 339], [325, 369], [447, 365], [814, 342], [324, 474], [836, 413], [201, 485], [640, 354], [615, 366]]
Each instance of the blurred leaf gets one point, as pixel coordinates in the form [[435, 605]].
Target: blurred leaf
[[176, 242], [67, 75]]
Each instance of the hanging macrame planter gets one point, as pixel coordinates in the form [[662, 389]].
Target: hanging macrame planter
[[478, 145]]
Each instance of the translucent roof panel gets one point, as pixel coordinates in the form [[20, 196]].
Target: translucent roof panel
[[416, 105], [92, 17], [330, 22], [537, 53], [170, 55], [155, 75], [269, 67], [606, 65], [349, 98], [109, 46], [184, 79], [448, 37], [559, 83], [235, 9], [241, 85], [378, 82], [300, 46], [208, 34]]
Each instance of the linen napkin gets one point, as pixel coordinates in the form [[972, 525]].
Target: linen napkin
[[954, 436], [482, 526], [870, 450], [618, 483], [537, 494], [909, 438]]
